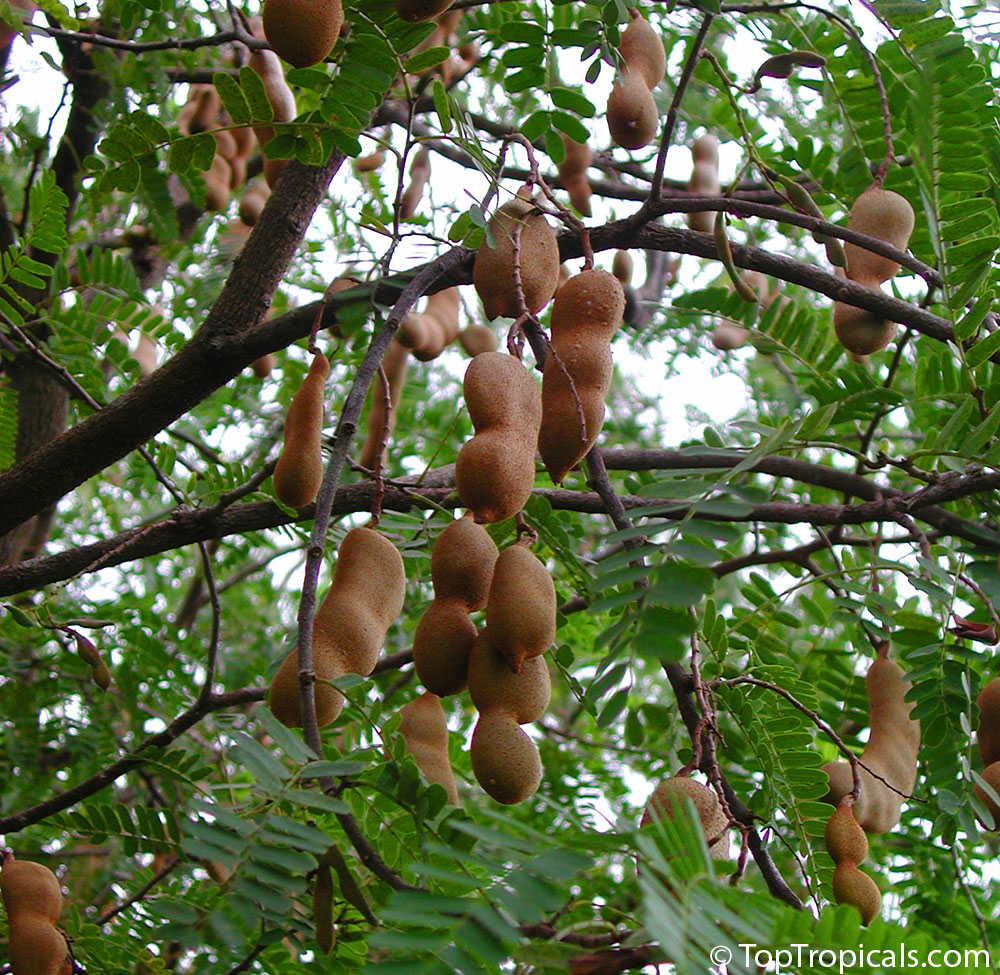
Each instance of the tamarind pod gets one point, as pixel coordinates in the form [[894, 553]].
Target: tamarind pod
[[303, 32], [705, 182], [267, 65], [462, 563], [991, 774], [478, 338], [495, 470], [521, 607], [442, 644], [420, 172], [252, 204], [299, 470], [728, 335], [859, 330], [642, 50], [440, 322], [365, 597], [369, 163], [493, 271], [622, 267], [414, 10], [853, 886], [349, 888], [245, 141], [573, 173], [887, 216], [35, 947], [802, 200], [706, 149], [632, 113], [322, 908], [505, 761], [30, 888], [891, 751], [669, 794], [394, 364], [492, 684], [425, 730], [988, 735], [412, 332], [845, 839], [217, 181], [225, 144], [237, 172], [262, 367], [587, 311], [209, 105]]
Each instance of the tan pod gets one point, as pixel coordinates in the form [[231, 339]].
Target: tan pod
[[848, 846], [302, 32], [632, 114], [713, 820], [425, 730], [364, 599], [704, 179], [521, 608], [299, 471], [891, 751], [462, 562], [33, 899], [495, 470], [585, 316], [573, 173], [493, 272], [505, 760]]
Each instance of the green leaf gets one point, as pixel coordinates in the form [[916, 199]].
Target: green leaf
[[425, 60]]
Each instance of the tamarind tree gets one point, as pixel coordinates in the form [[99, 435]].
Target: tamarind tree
[[725, 574]]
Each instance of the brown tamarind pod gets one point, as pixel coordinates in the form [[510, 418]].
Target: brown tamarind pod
[[322, 908], [33, 900], [622, 267], [478, 338], [847, 844], [267, 65], [303, 32], [538, 261], [891, 751], [365, 598], [988, 735], [414, 10], [462, 563], [704, 178], [632, 113], [586, 313], [670, 792], [225, 143], [201, 110], [521, 608], [217, 181], [412, 333], [425, 730], [495, 470], [505, 761], [492, 684], [887, 216], [394, 364], [262, 367], [369, 163], [299, 470], [440, 324], [252, 203], [573, 173], [420, 173], [859, 330]]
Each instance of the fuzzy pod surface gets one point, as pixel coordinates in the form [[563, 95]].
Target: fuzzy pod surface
[[891, 751], [299, 471], [587, 312], [632, 113], [521, 608], [538, 252], [847, 844], [302, 32], [887, 216], [505, 761], [425, 729], [462, 562], [665, 801], [365, 598], [495, 470], [988, 734], [493, 685], [33, 901]]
